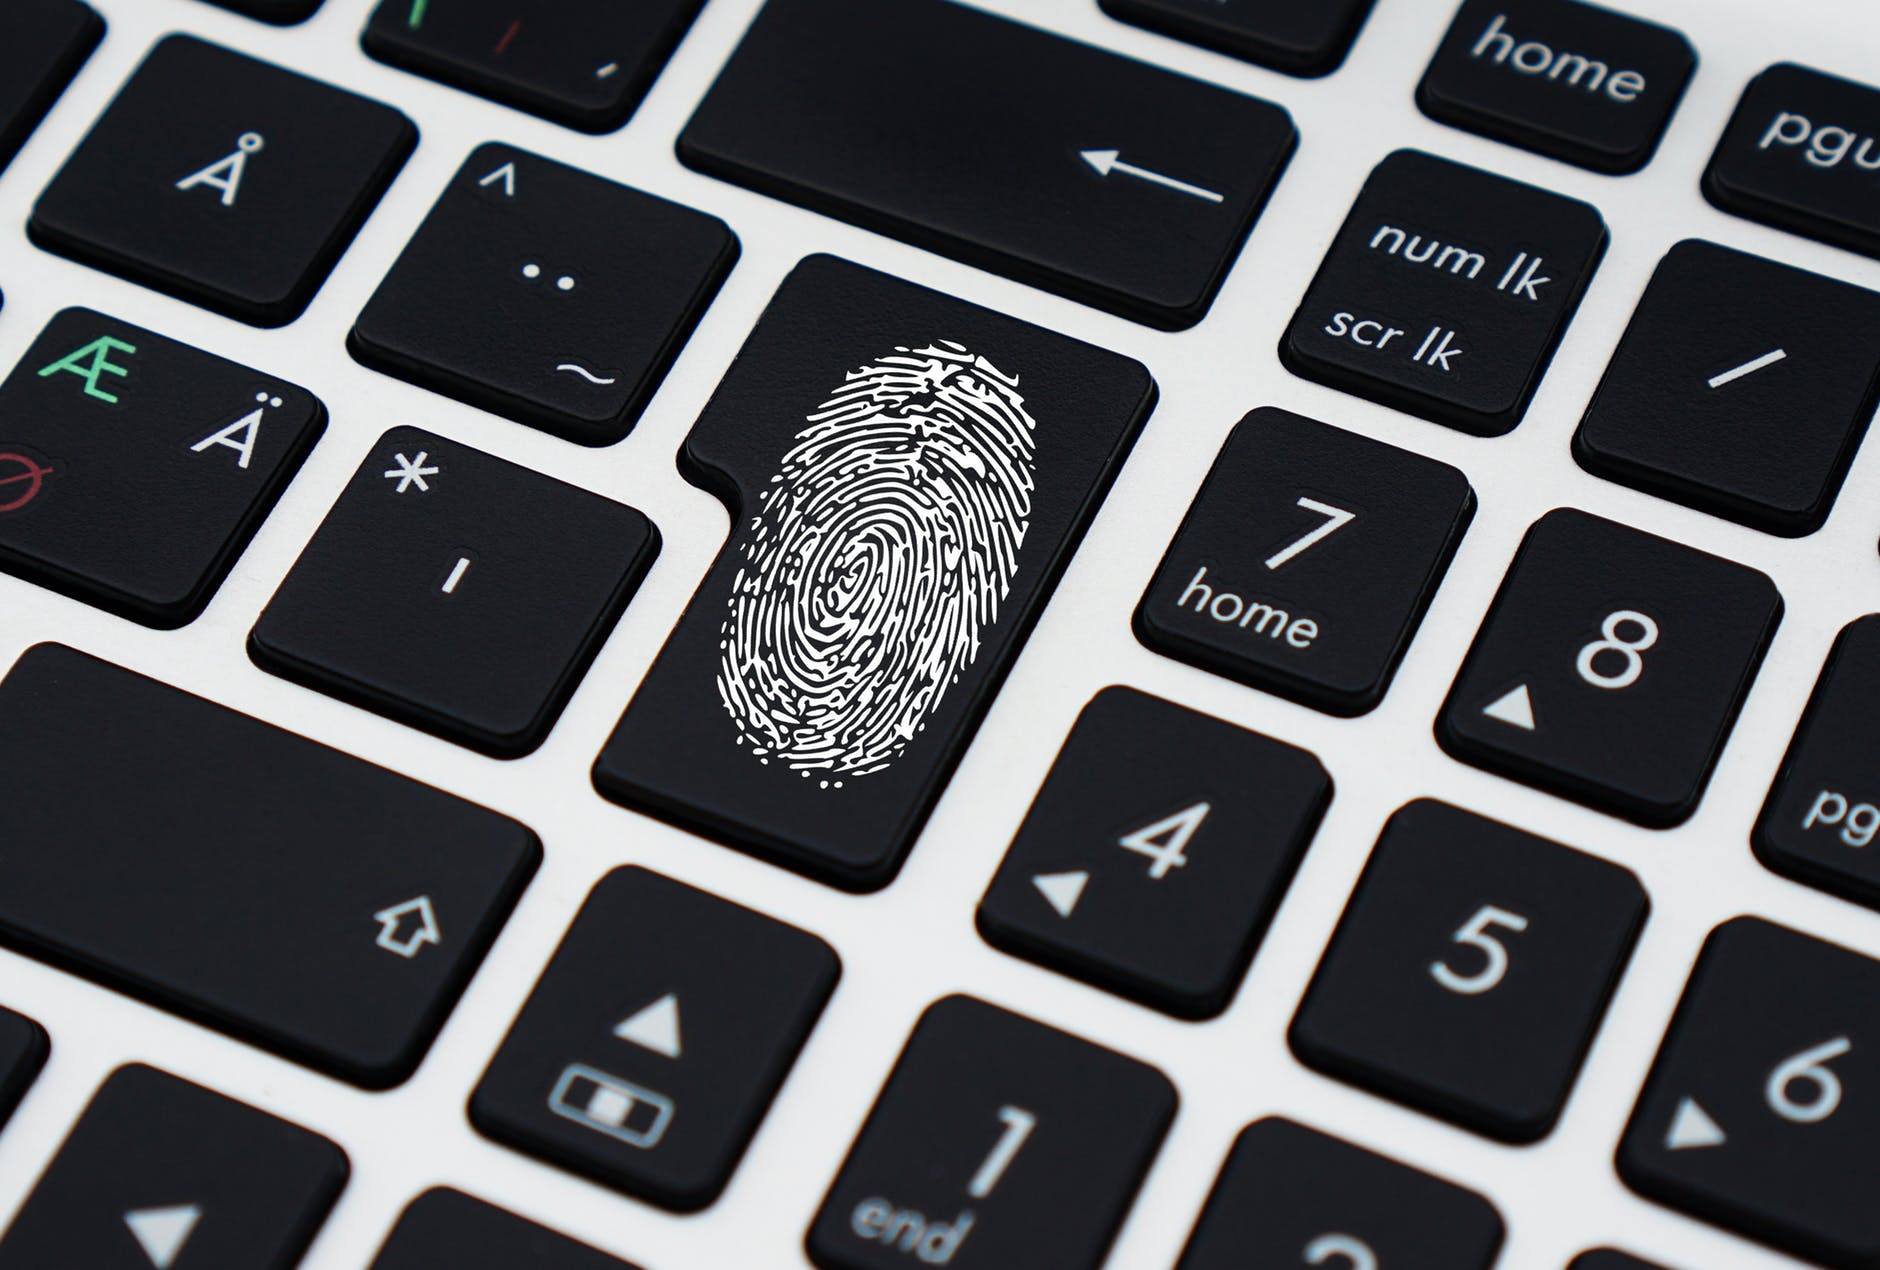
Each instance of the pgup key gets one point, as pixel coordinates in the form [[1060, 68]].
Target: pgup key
[[1446, 292]]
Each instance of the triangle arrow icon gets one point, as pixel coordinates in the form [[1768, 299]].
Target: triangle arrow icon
[[162, 1232], [654, 1027], [1692, 1127], [1101, 160], [1516, 709], [507, 175], [1062, 890]]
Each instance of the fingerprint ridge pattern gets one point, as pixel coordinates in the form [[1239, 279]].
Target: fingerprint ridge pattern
[[881, 550]]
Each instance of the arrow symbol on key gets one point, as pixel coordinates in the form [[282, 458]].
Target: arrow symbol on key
[[1108, 161]]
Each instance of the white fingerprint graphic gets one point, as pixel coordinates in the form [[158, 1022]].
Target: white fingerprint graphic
[[882, 549]]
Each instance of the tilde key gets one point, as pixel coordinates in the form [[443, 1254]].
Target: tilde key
[[1446, 292], [907, 476]]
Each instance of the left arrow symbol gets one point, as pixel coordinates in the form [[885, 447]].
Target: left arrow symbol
[[1107, 161], [162, 1232]]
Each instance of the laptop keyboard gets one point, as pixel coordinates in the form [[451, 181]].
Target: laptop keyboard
[[783, 633]]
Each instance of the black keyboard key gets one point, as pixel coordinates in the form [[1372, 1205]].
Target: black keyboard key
[[1611, 667], [1446, 292], [1470, 971], [42, 45], [1823, 811], [1800, 153], [1574, 81], [1300, 39], [229, 182], [445, 1228], [570, 295], [1742, 388], [1156, 852], [996, 1142], [456, 591], [1291, 1196], [279, 12], [656, 1039], [1104, 179], [907, 476], [583, 63], [300, 898], [135, 469], [1759, 1113], [1611, 1259], [163, 1173], [23, 1050], [1307, 561]]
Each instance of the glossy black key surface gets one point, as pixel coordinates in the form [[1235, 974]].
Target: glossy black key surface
[[1156, 852], [279, 12], [42, 45], [163, 1173], [1290, 1196], [1823, 810], [907, 475], [1759, 1113], [1742, 387], [1104, 179], [583, 63], [456, 591], [1801, 153], [1445, 292], [226, 181], [1574, 81], [996, 1142], [1611, 1259], [1611, 667], [135, 469], [444, 1229], [1470, 971], [300, 898], [1300, 39], [567, 296], [23, 1050], [1307, 561], [656, 1039]]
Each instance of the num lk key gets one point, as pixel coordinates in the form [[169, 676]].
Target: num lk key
[[1446, 292]]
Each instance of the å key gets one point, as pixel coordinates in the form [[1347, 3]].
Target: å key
[[907, 476]]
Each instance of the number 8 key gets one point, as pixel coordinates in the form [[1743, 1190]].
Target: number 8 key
[[1611, 667]]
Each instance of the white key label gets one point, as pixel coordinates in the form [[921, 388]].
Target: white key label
[[1474, 934], [1628, 651], [1018, 1126], [1336, 518], [1808, 1072], [1165, 840]]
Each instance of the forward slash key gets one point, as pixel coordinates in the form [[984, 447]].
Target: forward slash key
[[1747, 368]]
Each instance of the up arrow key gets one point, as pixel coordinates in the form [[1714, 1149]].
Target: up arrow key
[[162, 1232]]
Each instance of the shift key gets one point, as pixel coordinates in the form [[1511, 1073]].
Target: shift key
[[1108, 180], [240, 875], [1446, 292]]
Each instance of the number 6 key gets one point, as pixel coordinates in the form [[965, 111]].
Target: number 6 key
[[1761, 1112], [1611, 667]]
